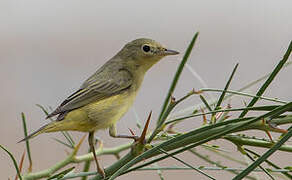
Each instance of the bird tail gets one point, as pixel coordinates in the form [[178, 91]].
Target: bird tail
[[44, 129]]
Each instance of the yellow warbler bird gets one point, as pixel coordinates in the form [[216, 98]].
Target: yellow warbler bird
[[108, 94]]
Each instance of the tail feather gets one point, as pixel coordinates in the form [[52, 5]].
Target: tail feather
[[41, 130]]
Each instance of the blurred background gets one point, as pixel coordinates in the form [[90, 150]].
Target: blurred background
[[48, 48]]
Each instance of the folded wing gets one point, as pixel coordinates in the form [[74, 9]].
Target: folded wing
[[97, 87]]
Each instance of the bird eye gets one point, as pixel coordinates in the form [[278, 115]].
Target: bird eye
[[146, 48]]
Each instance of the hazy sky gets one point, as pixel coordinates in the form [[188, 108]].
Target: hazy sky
[[48, 47]]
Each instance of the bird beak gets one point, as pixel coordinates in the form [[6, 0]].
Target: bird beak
[[170, 52]]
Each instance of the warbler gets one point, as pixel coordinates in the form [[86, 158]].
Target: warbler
[[108, 94]]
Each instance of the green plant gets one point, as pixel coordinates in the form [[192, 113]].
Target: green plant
[[164, 142]]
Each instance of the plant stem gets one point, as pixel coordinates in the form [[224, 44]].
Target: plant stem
[[217, 164], [243, 94], [240, 140], [72, 158]]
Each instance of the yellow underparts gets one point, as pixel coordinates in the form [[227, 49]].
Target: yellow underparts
[[94, 116]]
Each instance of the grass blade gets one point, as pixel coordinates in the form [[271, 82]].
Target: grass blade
[[14, 161], [81, 174], [243, 94], [173, 85], [264, 156], [159, 172], [196, 132], [207, 168], [256, 108], [177, 75], [138, 120], [63, 143], [188, 165], [213, 101], [205, 102], [270, 79], [279, 110], [65, 133], [217, 164], [255, 142], [221, 98], [261, 167], [269, 163], [20, 165], [86, 167], [26, 142], [62, 174]]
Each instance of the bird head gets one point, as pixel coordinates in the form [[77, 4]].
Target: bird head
[[144, 53]]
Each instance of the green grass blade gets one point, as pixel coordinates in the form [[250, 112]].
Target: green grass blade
[[86, 167], [150, 152], [264, 156], [205, 102], [213, 101], [187, 141], [243, 94], [261, 167], [43, 109], [260, 79], [63, 143], [80, 174], [270, 79], [64, 133], [269, 163], [14, 161], [188, 165], [138, 120], [62, 174], [254, 142], [170, 168], [181, 138], [27, 141], [207, 159], [257, 108], [176, 77], [158, 171], [221, 98], [279, 110]]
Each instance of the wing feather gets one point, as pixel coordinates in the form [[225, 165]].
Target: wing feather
[[94, 89]]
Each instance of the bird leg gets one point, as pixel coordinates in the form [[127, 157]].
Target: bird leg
[[113, 133], [141, 139], [91, 145]]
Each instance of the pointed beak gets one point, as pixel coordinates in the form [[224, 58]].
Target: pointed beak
[[170, 52]]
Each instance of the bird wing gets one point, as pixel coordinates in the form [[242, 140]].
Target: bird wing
[[97, 87]]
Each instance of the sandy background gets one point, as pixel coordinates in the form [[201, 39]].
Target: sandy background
[[47, 48]]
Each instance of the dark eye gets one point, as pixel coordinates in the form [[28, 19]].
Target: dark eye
[[146, 48]]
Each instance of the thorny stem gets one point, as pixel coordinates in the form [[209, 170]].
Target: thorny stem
[[243, 94], [170, 107], [249, 141], [72, 158], [217, 164]]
